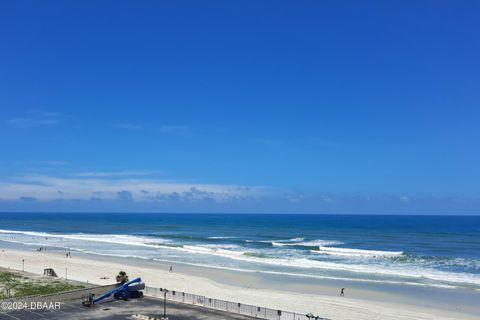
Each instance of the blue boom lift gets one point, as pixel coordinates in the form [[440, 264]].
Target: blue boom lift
[[130, 289]]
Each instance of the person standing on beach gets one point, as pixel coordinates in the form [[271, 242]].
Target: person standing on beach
[[171, 268], [342, 292]]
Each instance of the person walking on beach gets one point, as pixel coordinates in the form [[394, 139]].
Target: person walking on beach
[[342, 292], [171, 268]]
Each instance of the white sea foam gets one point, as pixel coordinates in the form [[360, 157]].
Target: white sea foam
[[296, 239], [223, 246], [372, 269], [302, 275], [215, 238], [313, 243], [319, 243], [279, 243], [347, 252], [224, 250], [299, 275], [104, 238], [409, 272]]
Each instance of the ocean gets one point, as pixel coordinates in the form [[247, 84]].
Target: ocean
[[429, 251]]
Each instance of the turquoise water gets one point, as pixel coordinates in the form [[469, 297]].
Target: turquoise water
[[431, 251]]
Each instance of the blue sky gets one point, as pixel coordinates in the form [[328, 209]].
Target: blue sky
[[240, 106]]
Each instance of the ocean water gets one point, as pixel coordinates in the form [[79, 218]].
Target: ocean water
[[432, 251]]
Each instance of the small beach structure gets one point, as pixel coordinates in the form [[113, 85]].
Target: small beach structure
[[49, 272]]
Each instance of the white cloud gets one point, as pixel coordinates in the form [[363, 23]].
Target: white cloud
[[175, 130], [35, 118], [30, 122], [113, 173], [56, 162], [48, 188]]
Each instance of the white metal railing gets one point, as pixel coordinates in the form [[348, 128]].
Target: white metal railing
[[228, 306]]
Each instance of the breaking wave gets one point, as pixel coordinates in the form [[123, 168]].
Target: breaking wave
[[323, 259]]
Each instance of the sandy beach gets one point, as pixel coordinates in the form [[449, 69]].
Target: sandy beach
[[241, 287]]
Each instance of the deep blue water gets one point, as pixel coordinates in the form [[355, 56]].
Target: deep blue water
[[413, 250]]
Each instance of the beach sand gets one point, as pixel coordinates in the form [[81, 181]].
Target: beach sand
[[235, 286]]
